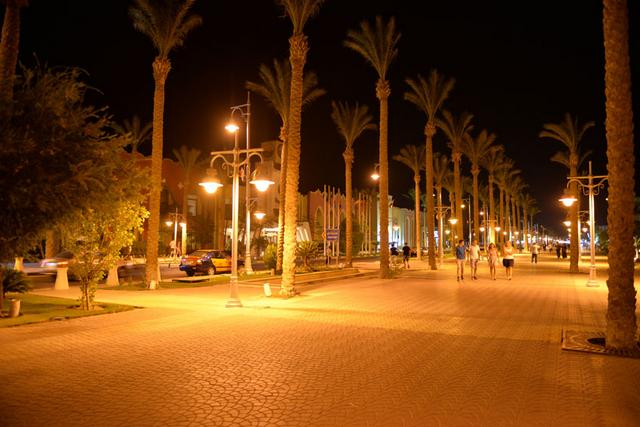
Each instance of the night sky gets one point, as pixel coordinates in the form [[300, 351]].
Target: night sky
[[517, 65]]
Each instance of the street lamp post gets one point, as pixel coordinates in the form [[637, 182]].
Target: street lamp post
[[591, 185], [232, 162], [440, 212], [468, 200], [174, 221]]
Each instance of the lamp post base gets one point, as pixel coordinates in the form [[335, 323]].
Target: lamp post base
[[592, 283], [233, 303]]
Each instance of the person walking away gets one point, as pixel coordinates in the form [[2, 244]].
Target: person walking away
[[564, 251], [461, 255], [492, 257], [508, 259], [406, 253], [558, 250], [474, 257], [535, 248]]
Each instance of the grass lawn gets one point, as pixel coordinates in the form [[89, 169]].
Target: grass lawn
[[38, 308]]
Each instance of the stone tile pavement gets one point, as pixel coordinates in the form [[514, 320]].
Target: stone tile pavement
[[418, 350]]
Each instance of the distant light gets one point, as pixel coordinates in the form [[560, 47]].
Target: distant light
[[482, 229], [585, 229], [375, 176], [453, 221], [169, 223], [567, 223], [447, 231], [463, 206], [183, 224], [568, 199], [498, 228], [210, 187], [259, 215], [481, 213]]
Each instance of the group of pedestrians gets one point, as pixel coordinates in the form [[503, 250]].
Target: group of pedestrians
[[492, 258]]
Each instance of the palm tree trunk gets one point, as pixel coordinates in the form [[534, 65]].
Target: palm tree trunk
[[574, 240], [502, 223], [281, 204], [491, 229], [621, 308], [383, 91], [440, 221], [458, 190], [507, 215], [429, 131], [475, 170], [514, 214], [416, 181], [9, 45], [348, 161], [161, 67], [526, 228], [185, 213], [298, 48]]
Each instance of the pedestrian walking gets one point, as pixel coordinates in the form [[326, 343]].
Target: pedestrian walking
[[474, 257], [406, 253], [558, 250], [492, 257], [461, 255], [508, 259], [535, 248], [564, 251]]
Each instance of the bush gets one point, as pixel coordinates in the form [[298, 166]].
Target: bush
[[307, 251], [13, 281], [270, 256]]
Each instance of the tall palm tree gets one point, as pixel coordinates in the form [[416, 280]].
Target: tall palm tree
[[528, 203], [476, 149], [299, 12], [135, 132], [275, 87], [492, 162], [189, 159], [428, 96], [378, 45], [167, 25], [569, 133], [413, 157], [621, 309], [456, 130], [351, 122], [9, 46], [440, 172]]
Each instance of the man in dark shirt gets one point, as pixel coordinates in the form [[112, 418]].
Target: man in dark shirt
[[406, 253]]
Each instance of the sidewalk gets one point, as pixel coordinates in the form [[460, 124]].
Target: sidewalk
[[418, 350]]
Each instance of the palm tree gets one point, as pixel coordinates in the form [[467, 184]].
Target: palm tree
[[135, 132], [476, 149], [621, 310], [528, 204], [351, 123], [428, 96], [189, 159], [299, 12], [9, 45], [456, 131], [492, 162], [503, 177], [413, 157], [440, 172], [167, 25], [378, 45], [569, 133], [275, 87]]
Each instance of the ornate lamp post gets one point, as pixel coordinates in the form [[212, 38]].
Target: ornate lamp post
[[232, 162], [591, 185], [440, 213], [468, 204]]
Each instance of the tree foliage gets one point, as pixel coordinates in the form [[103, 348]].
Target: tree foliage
[[56, 155]]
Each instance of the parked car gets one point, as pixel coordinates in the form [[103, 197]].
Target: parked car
[[206, 261]]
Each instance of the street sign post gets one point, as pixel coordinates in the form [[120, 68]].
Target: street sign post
[[333, 234]]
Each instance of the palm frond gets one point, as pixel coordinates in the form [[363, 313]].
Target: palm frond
[[429, 95], [300, 11], [351, 121], [377, 44], [413, 157]]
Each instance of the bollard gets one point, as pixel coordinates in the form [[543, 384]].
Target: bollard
[[267, 289], [14, 310], [62, 281]]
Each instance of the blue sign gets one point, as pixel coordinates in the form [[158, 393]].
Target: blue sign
[[333, 234]]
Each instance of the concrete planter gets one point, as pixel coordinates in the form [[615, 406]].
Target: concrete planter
[[14, 310]]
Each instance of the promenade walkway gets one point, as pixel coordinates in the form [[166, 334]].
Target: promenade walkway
[[417, 350]]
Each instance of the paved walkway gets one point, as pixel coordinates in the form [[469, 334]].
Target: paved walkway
[[419, 350]]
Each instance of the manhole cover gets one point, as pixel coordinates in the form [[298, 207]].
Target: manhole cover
[[593, 342]]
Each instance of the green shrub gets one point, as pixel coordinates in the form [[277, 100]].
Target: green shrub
[[307, 251], [270, 256]]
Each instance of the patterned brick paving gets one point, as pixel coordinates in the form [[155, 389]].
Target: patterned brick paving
[[418, 350]]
